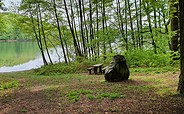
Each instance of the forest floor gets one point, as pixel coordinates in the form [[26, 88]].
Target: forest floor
[[150, 93]]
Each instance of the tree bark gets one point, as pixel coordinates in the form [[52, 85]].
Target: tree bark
[[150, 27], [131, 23], [181, 77], [59, 31], [174, 25], [81, 28], [39, 38], [43, 33], [77, 50]]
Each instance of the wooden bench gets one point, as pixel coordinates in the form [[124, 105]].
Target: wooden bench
[[90, 69], [95, 68]]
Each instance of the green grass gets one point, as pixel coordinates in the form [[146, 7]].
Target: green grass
[[111, 96], [75, 87], [9, 85], [78, 91], [23, 110], [141, 88], [74, 96], [154, 70]]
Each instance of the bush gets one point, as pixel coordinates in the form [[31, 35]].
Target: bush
[[64, 68], [147, 58], [136, 58]]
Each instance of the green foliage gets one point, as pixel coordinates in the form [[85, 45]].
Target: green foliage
[[64, 68], [9, 85], [139, 58], [15, 27], [157, 62]]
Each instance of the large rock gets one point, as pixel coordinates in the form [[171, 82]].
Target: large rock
[[118, 69]]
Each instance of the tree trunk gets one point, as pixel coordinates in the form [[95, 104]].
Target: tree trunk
[[150, 27], [138, 28], [131, 23], [181, 77], [59, 31], [97, 29], [174, 25], [39, 38], [81, 28], [103, 27], [77, 50], [43, 33], [126, 26], [140, 22]]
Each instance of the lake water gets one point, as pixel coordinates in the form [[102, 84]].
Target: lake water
[[20, 56]]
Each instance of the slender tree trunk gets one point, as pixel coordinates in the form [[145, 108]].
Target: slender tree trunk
[[77, 50], [120, 19], [88, 52], [59, 31], [126, 27], [150, 27], [39, 37], [97, 29], [131, 23], [38, 40], [138, 28], [44, 37], [103, 27], [73, 23], [155, 22], [140, 21], [81, 28], [93, 51], [120, 22]]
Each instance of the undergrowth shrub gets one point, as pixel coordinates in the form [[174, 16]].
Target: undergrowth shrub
[[137, 58], [147, 58], [64, 68]]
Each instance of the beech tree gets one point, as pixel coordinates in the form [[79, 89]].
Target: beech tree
[[99, 28], [181, 77], [174, 25]]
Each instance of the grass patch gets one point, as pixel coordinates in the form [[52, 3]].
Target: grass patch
[[23, 110], [154, 70], [9, 85], [74, 96], [141, 88], [111, 96]]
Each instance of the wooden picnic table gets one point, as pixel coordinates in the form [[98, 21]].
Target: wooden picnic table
[[95, 68]]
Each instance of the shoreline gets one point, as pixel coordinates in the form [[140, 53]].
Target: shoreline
[[20, 40]]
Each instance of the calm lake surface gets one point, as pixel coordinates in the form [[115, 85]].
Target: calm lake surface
[[20, 56]]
